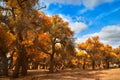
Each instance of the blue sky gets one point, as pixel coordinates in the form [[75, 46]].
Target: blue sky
[[88, 18]]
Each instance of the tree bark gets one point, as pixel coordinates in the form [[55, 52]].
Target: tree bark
[[93, 64], [84, 64], [21, 62], [24, 65], [17, 68], [4, 65], [51, 69], [108, 64]]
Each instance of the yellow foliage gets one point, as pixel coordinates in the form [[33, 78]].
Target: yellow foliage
[[95, 38], [81, 53], [113, 55], [82, 46], [88, 40], [6, 38], [58, 46], [12, 3], [74, 61], [118, 56], [101, 48]]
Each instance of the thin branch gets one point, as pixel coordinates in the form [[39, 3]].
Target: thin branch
[[42, 7], [43, 50], [39, 47], [20, 3]]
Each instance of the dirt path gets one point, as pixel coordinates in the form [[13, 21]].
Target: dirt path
[[110, 74]]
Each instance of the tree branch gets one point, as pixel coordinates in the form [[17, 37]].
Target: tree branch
[[42, 7], [43, 50]]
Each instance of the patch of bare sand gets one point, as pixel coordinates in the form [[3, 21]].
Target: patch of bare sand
[[76, 74]]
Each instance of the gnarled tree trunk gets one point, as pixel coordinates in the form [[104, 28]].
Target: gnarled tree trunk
[[21, 64], [51, 69], [4, 65]]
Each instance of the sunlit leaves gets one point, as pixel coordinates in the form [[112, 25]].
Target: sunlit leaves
[[91, 44], [21, 3], [93, 47], [74, 62], [59, 27], [82, 46], [117, 51], [109, 52], [6, 38], [82, 53], [95, 38], [55, 30], [12, 3]]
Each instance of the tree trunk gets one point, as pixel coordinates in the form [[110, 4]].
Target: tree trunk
[[93, 64], [4, 65], [108, 65], [51, 69], [17, 68], [11, 64], [118, 64], [21, 62], [24, 65], [84, 64]]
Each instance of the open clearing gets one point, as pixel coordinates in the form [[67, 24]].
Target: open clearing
[[75, 74]]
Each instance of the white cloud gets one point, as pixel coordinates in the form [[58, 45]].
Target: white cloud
[[85, 37], [111, 35], [83, 11], [81, 19], [77, 27], [107, 13], [90, 4], [84, 20], [73, 2], [65, 17], [108, 35]]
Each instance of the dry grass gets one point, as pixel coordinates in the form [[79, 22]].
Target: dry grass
[[76, 74]]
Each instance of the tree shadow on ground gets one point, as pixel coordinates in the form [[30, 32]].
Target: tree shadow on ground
[[68, 74]]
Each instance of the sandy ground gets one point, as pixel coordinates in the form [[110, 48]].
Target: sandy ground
[[76, 74]]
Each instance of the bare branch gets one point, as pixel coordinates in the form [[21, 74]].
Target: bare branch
[[42, 7]]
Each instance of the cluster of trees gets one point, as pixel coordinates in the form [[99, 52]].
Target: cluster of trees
[[95, 53], [29, 38]]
